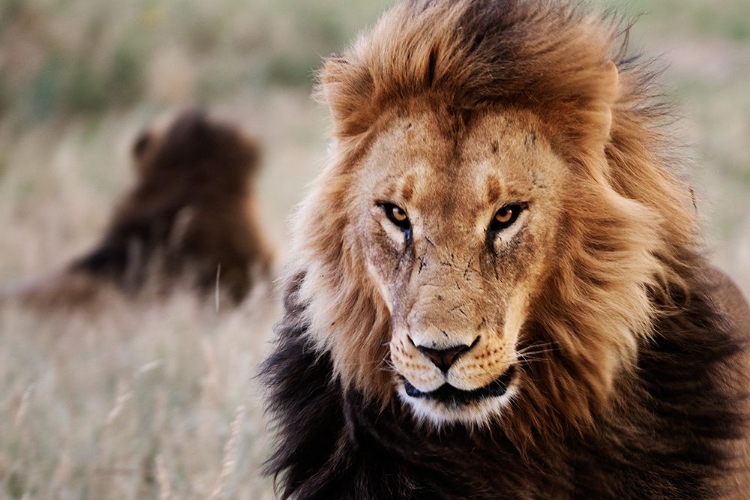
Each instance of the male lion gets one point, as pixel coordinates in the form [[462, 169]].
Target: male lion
[[190, 218], [497, 287]]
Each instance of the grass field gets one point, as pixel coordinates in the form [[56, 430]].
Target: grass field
[[160, 401]]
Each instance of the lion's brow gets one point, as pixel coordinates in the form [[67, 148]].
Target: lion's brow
[[407, 188]]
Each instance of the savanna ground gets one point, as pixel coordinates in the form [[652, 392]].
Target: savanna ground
[[160, 401]]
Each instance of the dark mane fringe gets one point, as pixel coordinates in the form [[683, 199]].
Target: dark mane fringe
[[667, 436]]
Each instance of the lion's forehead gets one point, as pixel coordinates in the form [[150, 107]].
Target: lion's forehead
[[497, 157]]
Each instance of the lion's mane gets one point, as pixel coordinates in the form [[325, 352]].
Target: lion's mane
[[638, 397]]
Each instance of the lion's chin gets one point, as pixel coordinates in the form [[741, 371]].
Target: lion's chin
[[453, 397], [447, 404]]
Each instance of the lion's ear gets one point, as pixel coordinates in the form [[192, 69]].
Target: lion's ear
[[141, 144], [253, 153], [610, 87], [347, 90], [591, 119], [585, 119], [331, 81]]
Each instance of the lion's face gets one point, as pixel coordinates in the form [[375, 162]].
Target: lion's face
[[458, 235], [492, 224]]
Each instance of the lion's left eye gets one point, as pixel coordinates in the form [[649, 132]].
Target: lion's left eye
[[505, 217]]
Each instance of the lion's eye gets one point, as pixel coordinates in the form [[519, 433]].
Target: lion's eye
[[505, 217], [397, 215]]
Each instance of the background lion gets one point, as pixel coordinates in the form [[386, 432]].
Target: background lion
[[190, 219], [497, 286]]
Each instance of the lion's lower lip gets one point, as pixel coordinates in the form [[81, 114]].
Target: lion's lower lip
[[450, 396]]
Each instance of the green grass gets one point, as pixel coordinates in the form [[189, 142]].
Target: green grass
[[89, 56]]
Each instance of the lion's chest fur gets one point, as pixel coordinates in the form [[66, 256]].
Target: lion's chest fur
[[666, 439]]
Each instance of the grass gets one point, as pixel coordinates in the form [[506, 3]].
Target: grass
[[159, 400], [86, 57], [132, 404]]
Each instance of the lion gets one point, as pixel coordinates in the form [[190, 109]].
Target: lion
[[497, 285], [191, 218]]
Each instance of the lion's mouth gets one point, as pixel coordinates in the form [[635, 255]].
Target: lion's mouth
[[452, 397]]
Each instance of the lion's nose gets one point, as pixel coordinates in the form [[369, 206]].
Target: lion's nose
[[444, 358]]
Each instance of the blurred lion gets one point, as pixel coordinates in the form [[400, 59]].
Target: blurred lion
[[189, 220], [497, 286]]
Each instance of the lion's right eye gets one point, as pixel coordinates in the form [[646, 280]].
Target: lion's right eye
[[505, 217], [397, 216]]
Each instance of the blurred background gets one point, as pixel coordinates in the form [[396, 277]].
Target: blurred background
[[161, 402]]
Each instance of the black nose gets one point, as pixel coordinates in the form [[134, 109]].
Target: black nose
[[444, 358]]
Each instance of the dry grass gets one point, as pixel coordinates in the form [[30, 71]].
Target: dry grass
[[144, 402], [159, 400]]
